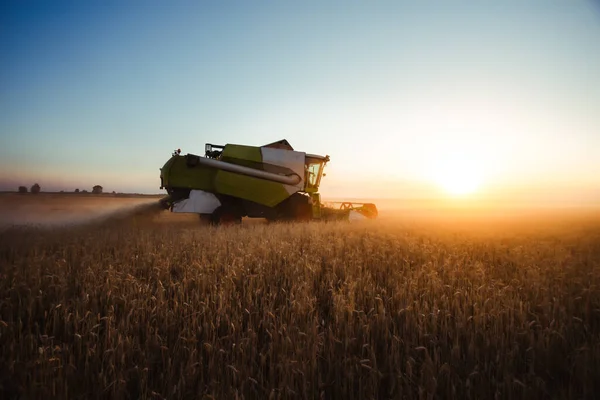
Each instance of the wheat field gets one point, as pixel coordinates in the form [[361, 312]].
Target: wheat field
[[412, 306]]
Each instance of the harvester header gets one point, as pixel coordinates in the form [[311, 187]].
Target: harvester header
[[233, 181]]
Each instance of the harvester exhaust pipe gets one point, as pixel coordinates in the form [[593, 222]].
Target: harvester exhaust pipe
[[293, 179]]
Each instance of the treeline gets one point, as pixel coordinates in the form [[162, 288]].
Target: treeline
[[36, 188]]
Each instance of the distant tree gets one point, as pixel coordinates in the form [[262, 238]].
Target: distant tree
[[97, 189], [23, 189], [84, 191], [35, 188], [76, 190]]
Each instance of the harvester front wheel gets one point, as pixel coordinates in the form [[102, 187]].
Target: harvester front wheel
[[296, 208]]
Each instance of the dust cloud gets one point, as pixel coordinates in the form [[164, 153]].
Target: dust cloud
[[71, 214]]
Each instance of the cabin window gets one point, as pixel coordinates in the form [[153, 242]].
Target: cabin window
[[312, 174]]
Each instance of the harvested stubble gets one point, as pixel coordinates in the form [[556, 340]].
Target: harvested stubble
[[375, 310]]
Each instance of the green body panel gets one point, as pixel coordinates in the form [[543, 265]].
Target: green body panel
[[258, 190], [250, 157], [316, 205], [241, 152], [175, 173]]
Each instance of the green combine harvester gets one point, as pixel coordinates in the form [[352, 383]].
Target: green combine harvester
[[233, 181]]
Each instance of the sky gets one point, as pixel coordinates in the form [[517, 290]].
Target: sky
[[408, 98]]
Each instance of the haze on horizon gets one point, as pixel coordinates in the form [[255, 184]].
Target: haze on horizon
[[410, 99]]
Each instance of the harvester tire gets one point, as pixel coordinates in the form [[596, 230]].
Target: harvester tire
[[298, 208]]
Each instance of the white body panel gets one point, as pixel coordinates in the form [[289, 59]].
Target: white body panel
[[294, 160], [199, 202]]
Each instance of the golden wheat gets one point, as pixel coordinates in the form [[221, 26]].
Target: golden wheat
[[320, 310]]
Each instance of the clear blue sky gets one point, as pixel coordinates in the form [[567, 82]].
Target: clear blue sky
[[101, 92]]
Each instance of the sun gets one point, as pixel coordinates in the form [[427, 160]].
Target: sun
[[460, 184], [458, 176]]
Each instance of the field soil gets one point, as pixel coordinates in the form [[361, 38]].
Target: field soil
[[136, 302]]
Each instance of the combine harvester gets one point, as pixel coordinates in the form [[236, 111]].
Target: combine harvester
[[233, 181]]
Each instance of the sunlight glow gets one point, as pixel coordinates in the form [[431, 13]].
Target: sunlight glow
[[458, 174], [459, 183]]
